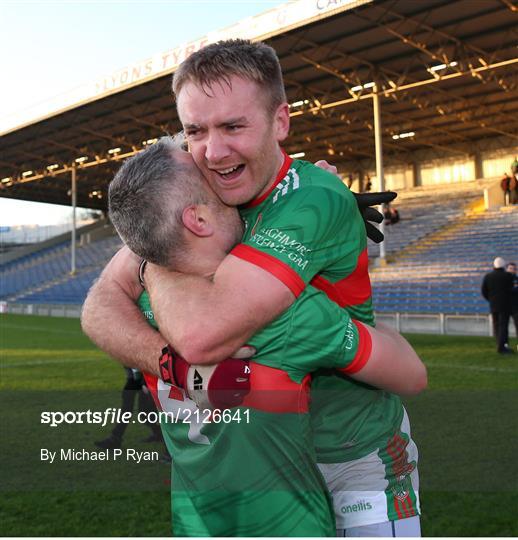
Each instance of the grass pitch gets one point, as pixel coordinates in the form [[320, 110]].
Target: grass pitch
[[465, 425]]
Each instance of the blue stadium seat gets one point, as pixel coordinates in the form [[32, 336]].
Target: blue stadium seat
[[43, 277], [447, 274]]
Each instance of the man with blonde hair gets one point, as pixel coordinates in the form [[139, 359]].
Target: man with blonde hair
[[160, 194], [302, 227]]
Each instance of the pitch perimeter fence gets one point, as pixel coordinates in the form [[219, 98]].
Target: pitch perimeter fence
[[411, 323]]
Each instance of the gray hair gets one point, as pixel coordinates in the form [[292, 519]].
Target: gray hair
[[147, 197], [218, 62]]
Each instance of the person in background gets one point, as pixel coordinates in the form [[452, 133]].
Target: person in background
[[390, 214], [513, 188], [511, 268], [135, 384], [513, 183], [505, 184], [496, 289]]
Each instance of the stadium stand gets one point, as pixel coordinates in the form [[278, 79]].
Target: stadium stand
[[441, 270], [459, 107], [424, 211], [25, 260], [16, 253], [437, 256], [43, 277], [72, 290]]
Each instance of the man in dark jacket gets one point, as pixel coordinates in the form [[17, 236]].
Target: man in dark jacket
[[496, 289], [511, 268]]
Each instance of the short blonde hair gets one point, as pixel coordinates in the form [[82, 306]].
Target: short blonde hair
[[256, 62]]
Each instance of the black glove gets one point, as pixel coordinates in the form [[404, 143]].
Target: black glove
[[365, 201]]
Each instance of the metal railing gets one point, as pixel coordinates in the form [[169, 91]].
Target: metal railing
[[411, 323]]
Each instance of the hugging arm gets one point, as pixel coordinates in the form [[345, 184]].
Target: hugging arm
[[392, 364], [207, 320], [112, 320]]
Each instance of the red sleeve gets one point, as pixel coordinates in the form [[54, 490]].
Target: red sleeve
[[364, 350], [274, 266]]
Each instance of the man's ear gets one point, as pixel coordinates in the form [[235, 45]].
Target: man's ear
[[194, 218], [282, 122]]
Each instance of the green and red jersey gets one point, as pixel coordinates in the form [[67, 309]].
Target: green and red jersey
[[307, 230], [257, 475]]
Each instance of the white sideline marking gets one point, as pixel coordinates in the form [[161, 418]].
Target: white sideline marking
[[47, 362], [472, 368], [39, 329]]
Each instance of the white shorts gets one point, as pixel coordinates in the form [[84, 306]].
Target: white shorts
[[380, 487], [402, 528]]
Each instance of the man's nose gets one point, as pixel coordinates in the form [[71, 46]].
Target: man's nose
[[216, 149]]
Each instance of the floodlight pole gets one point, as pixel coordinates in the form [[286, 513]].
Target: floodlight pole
[[379, 160], [74, 203]]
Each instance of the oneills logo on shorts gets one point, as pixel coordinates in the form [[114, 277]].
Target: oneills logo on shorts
[[360, 506]]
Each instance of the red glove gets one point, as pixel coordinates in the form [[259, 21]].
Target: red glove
[[173, 368], [218, 386]]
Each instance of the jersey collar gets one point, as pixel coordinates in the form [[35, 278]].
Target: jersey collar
[[280, 175]]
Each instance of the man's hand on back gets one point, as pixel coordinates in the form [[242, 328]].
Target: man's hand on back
[[112, 320], [323, 164], [206, 320]]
